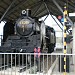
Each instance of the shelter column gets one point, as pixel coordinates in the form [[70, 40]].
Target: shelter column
[[73, 33]]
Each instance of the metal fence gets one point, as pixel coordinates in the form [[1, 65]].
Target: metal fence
[[28, 64], [25, 63]]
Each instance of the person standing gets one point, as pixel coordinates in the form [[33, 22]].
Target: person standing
[[37, 52]]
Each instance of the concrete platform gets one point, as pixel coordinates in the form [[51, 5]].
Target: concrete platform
[[15, 71], [71, 69]]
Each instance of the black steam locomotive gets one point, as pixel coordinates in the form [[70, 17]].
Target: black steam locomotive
[[26, 34]]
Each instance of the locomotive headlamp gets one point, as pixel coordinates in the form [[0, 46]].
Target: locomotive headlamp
[[23, 12]]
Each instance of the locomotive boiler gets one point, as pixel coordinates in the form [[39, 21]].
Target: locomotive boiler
[[28, 33]]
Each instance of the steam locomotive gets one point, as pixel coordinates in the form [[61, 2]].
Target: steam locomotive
[[27, 33]]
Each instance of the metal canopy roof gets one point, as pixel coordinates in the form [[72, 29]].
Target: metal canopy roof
[[11, 9]]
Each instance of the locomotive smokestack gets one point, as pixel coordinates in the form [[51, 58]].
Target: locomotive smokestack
[[28, 12]]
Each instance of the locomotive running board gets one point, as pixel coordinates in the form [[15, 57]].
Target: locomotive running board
[[24, 68]]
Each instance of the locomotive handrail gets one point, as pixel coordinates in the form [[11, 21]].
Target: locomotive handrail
[[40, 54]]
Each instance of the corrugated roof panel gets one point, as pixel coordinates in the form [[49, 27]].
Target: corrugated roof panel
[[34, 5]]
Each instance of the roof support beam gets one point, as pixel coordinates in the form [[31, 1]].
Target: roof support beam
[[40, 11], [16, 7], [37, 9], [51, 15], [54, 1], [7, 10], [46, 17]]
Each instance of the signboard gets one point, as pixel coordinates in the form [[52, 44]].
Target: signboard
[[72, 14]]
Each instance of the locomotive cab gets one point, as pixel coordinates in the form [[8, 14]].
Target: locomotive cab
[[50, 39]]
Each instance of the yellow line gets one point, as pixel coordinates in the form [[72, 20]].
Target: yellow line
[[64, 73], [64, 34], [64, 66], [64, 6], [64, 51], [65, 27], [65, 59], [65, 20], [64, 43], [65, 12]]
